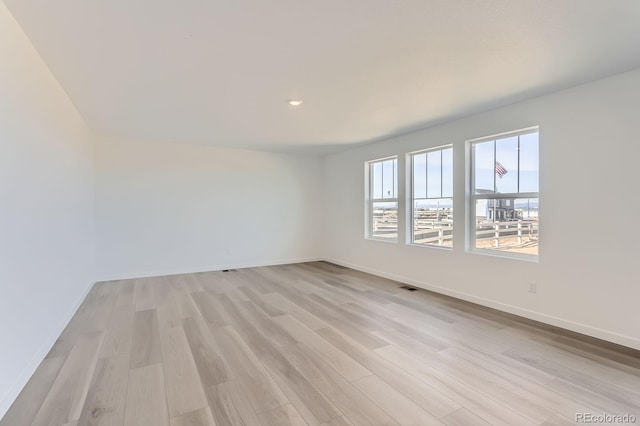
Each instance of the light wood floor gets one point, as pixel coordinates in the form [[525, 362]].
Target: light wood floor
[[314, 344]]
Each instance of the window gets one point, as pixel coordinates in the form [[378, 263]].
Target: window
[[504, 194], [432, 197], [382, 209]]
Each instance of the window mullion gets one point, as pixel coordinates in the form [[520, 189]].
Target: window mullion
[[518, 163], [382, 179], [505, 195], [441, 175], [426, 175], [495, 162], [393, 178]]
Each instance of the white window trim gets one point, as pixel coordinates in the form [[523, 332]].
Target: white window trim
[[410, 198], [470, 199], [369, 201]]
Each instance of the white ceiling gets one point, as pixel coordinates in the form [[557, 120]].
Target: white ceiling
[[219, 72]]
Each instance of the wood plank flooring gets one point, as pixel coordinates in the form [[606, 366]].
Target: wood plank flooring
[[314, 344]]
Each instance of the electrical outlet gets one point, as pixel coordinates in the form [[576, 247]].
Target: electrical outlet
[[533, 287]]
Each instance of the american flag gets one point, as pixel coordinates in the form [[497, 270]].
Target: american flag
[[500, 170]]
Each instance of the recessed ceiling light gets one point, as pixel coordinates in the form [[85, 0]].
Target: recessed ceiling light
[[294, 102]]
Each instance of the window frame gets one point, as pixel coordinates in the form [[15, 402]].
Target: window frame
[[411, 195], [370, 200], [472, 197]]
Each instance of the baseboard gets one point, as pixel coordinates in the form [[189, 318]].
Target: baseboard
[[588, 330], [13, 392], [210, 268]]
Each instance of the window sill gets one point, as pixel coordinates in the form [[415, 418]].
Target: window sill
[[505, 255], [431, 246], [382, 240]]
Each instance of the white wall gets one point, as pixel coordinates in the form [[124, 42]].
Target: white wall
[[166, 208], [46, 209], [588, 280]]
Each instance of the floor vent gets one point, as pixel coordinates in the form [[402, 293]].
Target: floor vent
[[408, 288], [228, 270]]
